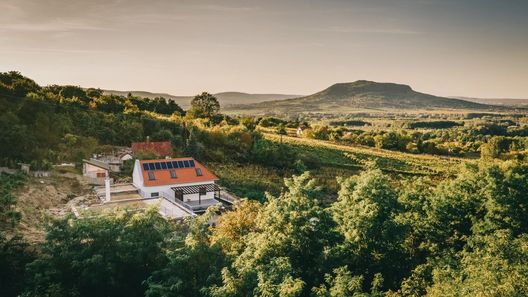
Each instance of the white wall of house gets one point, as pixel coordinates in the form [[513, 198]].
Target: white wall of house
[[137, 178]]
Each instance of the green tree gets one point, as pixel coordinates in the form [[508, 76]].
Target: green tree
[[192, 146], [14, 250], [493, 265], [286, 257], [493, 148], [105, 256], [193, 263], [204, 105], [281, 130], [74, 91], [233, 226], [94, 93], [341, 283], [365, 213]]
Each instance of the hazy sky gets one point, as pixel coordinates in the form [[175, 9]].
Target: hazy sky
[[445, 47]]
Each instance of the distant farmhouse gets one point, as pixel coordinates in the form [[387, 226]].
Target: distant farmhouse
[[300, 130], [115, 161], [160, 148], [181, 180]]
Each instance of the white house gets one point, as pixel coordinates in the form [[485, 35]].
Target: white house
[[181, 180], [300, 131]]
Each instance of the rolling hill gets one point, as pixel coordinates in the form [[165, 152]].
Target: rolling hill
[[231, 98], [225, 98], [361, 95], [497, 101]]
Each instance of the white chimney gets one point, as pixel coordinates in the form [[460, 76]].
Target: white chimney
[[107, 188]]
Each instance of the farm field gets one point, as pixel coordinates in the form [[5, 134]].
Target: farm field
[[347, 156], [332, 161]]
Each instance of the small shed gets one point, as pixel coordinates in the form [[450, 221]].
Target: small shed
[[95, 171]]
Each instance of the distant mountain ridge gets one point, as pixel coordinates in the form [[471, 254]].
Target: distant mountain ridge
[[497, 101], [362, 95], [225, 98]]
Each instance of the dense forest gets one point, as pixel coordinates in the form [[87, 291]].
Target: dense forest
[[462, 237], [381, 235]]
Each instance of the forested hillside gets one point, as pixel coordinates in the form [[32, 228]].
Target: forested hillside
[[54, 124]]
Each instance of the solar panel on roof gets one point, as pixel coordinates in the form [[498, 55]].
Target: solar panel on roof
[[191, 162], [170, 165], [186, 163], [151, 166], [158, 165], [175, 164], [145, 166], [163, 165], [180, 164]]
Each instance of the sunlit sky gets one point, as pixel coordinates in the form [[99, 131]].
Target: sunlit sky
[[473, 48]]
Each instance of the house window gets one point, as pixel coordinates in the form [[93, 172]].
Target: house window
[[101, 174], [173, 173], [198, 172], [151, 175], [154, 194], [178, 194], [203, 191]]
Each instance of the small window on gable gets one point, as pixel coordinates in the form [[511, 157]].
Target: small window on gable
[[173, 173], [151, 175], [198, 172]]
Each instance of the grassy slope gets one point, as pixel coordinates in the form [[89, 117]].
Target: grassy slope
[[335, 161], [345, 156]]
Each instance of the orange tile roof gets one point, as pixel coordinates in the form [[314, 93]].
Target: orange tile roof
[[161, 148], [184, 175]]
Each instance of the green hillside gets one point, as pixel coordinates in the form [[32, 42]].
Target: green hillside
[[363, 95]]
